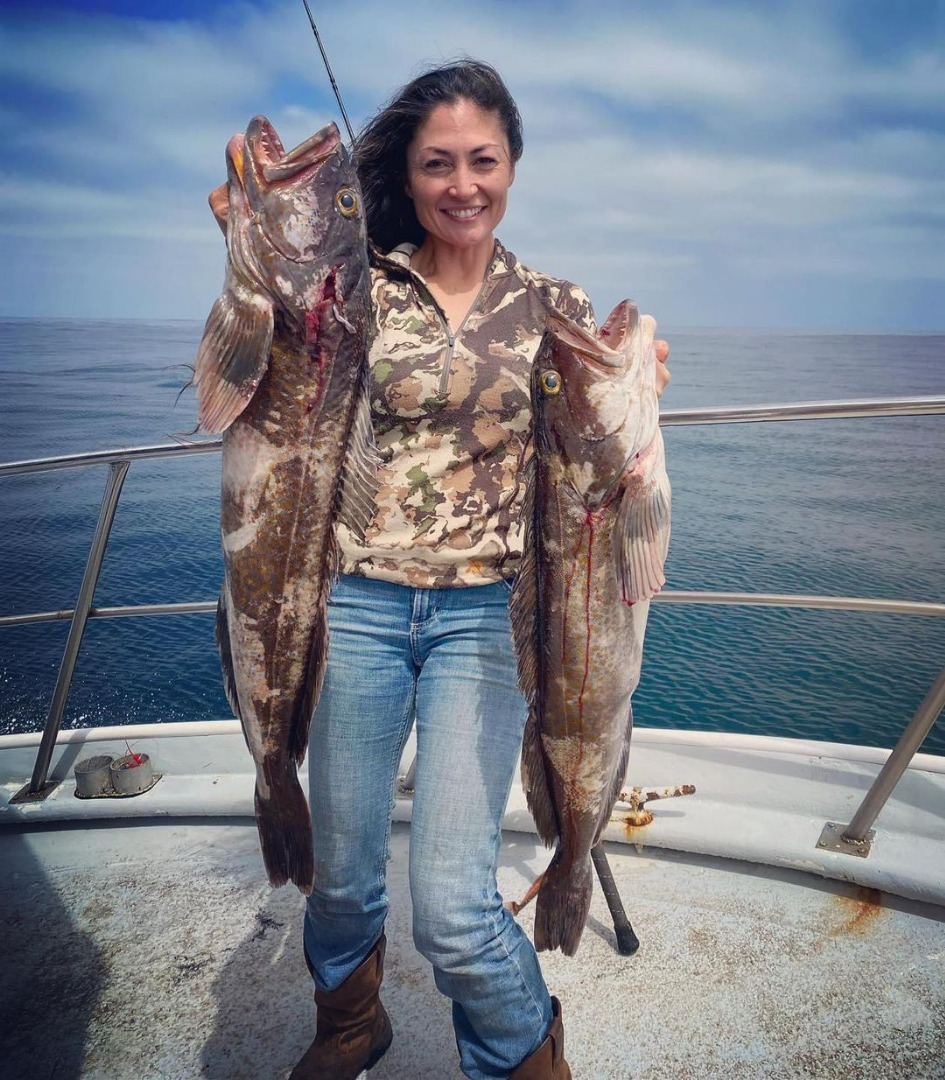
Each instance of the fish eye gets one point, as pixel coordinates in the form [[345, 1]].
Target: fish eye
[[550, 383], [347, 202]]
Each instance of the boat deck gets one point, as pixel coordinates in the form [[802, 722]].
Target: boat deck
[[156, 949]]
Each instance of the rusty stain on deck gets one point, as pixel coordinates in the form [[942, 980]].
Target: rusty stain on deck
[[860, 911], [633, 830]]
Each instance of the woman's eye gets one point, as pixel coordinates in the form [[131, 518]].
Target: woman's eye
[[435, 165], [486, 162]]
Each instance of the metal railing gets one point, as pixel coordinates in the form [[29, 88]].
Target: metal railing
[[852, 839]]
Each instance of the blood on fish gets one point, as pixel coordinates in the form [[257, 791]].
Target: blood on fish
[[313, 321], [313, 318]]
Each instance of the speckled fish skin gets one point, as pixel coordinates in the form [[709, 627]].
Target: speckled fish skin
[[282, 372], [597, 531]]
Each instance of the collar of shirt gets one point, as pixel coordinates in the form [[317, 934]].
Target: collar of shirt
[[398, 260]]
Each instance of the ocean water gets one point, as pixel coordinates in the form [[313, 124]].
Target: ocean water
[[844, 507]]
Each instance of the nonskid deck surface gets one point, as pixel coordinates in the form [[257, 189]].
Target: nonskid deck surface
[[159, 951]]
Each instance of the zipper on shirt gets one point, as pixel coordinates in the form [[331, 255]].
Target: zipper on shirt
[[452, 338]]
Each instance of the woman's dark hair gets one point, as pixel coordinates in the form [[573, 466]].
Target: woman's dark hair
[[381, 148]]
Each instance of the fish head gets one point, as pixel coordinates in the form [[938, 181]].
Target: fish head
[[589, 401], [297, 227]]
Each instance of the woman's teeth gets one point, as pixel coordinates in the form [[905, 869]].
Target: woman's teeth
[[463, 215]]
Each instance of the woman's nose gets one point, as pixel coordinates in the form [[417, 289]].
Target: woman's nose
[[464, 183]]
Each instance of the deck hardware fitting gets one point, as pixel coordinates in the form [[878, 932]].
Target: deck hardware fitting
[[132, 774], [92, 777], [832, 839], [636, 798], [111, 793], [26, 795]]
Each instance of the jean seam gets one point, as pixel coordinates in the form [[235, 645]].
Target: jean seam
[[513, 962], [496, 920], [418, 626], [414, 644], [409, 709]]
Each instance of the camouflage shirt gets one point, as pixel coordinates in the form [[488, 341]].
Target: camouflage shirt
[[452, 415]]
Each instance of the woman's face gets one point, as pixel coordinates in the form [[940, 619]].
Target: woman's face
[[459, 171]]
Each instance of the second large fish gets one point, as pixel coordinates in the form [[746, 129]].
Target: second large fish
[[597, 517], [282, 371]]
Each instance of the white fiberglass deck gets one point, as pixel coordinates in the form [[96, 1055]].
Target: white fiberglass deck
[[157, 950], [141, 940]]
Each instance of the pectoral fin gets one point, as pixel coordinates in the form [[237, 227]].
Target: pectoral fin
[[233, 355], [641, 532]]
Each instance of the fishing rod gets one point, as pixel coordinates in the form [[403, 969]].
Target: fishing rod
[[331, 77]]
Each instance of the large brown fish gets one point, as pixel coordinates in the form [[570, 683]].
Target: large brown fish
[[597, 517], [282, 371]]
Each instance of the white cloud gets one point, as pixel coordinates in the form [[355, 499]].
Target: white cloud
[[661, 144]]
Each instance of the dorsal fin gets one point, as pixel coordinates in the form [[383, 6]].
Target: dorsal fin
[[358, 490]]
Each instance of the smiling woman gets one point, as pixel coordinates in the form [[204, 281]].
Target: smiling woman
[[419, 617]]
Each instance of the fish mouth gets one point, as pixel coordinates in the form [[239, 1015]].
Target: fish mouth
[[273, 178], [585, 346], [274, 165]]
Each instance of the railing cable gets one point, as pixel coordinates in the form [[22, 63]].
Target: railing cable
[[119, 461]]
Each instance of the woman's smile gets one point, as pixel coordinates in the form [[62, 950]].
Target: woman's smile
[[464, 214]]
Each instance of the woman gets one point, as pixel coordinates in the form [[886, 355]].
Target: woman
[[419, 616]]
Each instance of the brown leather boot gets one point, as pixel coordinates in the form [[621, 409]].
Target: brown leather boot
[[547, 1062], [353, 1029]]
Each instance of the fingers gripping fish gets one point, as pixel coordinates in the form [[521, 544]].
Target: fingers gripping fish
[[597, 520], [282, 372]]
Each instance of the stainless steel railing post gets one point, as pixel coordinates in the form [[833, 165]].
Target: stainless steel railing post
[[897, 762], [116, 477]]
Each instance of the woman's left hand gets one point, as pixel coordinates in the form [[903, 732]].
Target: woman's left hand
[[661, 349]]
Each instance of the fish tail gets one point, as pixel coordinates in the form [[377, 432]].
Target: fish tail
[[285, 833], [564, 901]]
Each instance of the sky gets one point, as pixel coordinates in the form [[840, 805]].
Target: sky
[[776, 164]]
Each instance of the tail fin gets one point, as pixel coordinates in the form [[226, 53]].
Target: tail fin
[[285, 832], [564, 901]]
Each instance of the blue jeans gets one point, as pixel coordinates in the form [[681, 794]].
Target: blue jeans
[[443, 658]]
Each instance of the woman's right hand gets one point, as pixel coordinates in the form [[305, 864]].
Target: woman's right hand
[[661, 350], [219, 200]]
